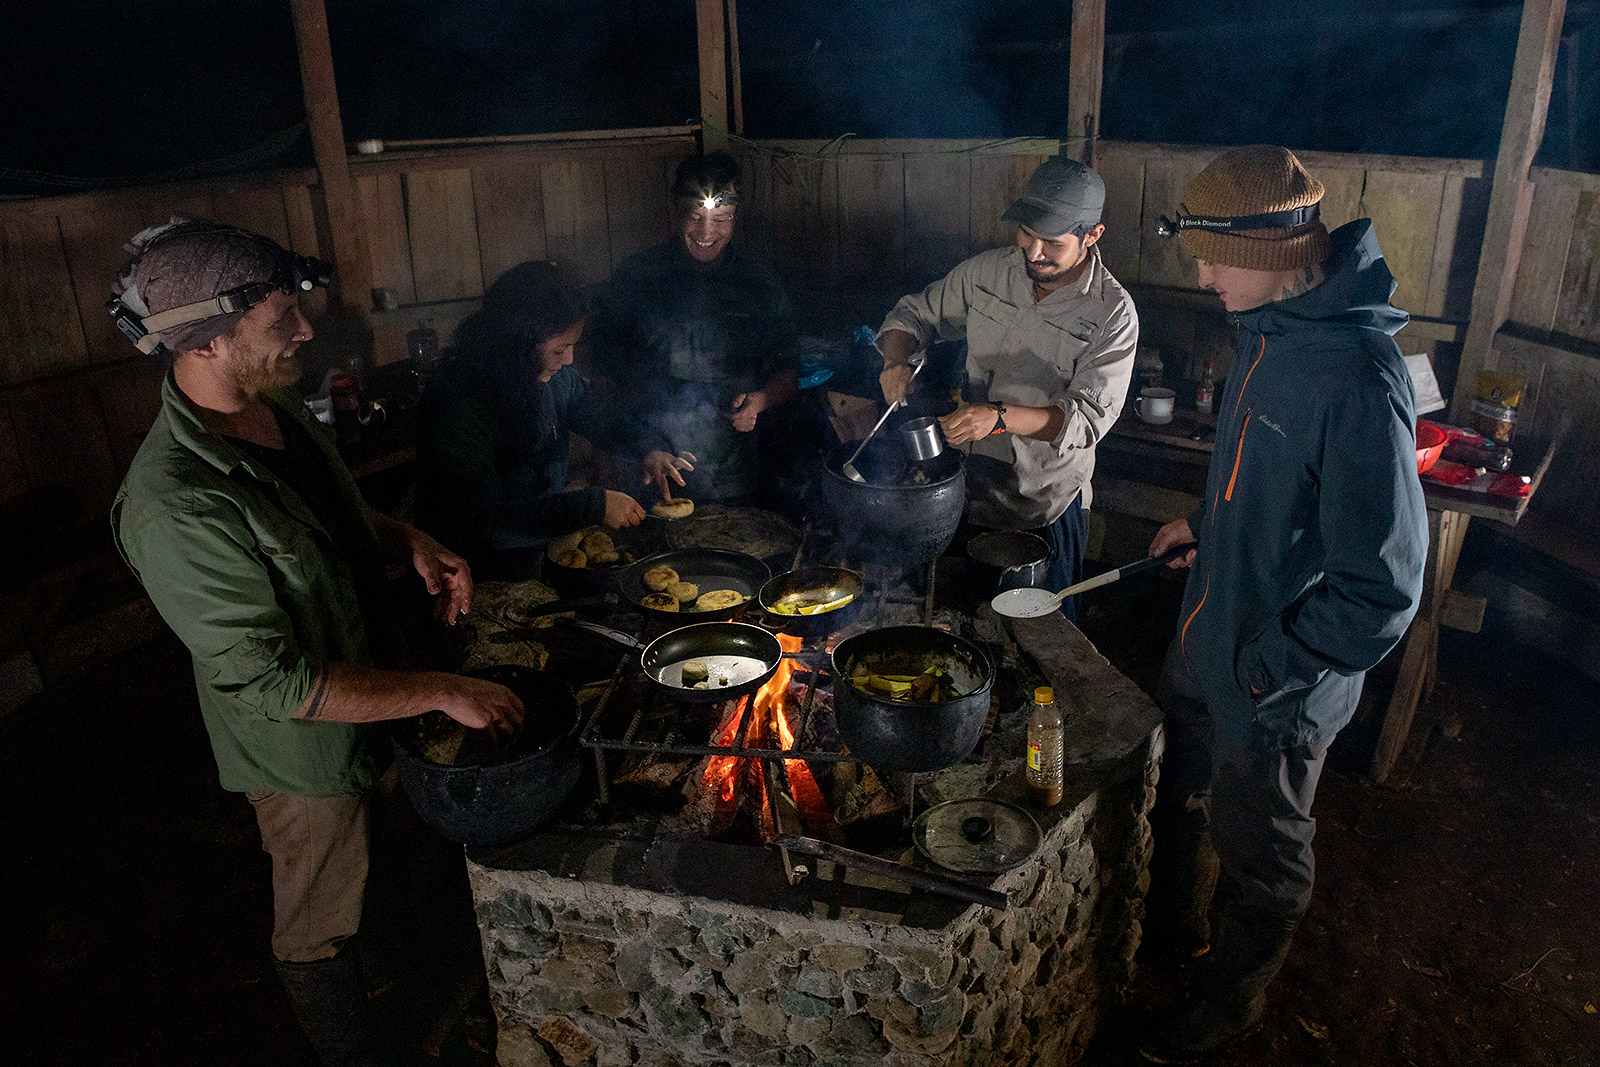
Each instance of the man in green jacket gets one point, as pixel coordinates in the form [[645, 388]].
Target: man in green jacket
[[249, 535], [1312, 535]]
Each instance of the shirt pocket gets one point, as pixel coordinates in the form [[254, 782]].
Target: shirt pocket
[[991, 316], [1063, 344]]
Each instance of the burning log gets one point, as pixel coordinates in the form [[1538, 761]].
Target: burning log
[[713, 786]]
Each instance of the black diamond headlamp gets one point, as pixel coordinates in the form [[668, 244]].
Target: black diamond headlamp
[[1232, 224], [291, 273]]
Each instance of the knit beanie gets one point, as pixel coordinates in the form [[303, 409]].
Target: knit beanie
[[1255, 180], [188, 260]]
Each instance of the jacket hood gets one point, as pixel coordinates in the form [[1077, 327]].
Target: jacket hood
[[1354, 293]]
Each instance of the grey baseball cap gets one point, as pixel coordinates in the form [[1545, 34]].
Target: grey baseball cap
[[1061, 195]]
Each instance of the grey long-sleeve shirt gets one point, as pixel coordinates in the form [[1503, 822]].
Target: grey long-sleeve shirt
[[1073, 349]]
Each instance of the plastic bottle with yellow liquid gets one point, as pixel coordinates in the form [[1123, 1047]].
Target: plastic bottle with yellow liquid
[[1046, 740]]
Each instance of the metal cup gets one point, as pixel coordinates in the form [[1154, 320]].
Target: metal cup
[[923, 437]]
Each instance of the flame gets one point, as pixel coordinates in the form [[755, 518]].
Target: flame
[[722, 772], [807, 795], [770, 729]]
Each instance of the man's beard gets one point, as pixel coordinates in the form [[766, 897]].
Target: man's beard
[[1044, 274]]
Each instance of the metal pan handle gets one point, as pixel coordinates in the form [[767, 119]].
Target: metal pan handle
[[615, 636]]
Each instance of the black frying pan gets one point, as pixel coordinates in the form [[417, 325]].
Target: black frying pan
[[740, 658], [708, 568], [813, 586]]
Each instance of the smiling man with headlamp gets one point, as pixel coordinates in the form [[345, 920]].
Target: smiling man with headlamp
[[249, 535]]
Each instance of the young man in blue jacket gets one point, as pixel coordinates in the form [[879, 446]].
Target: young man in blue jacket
[[1312, 536]]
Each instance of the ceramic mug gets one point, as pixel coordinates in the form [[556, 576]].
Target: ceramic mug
[[1155, 405]]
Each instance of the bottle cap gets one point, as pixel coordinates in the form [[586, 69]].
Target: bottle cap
[[1043, 695]]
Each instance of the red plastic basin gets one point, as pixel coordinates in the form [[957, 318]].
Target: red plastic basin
[[1430, 445]]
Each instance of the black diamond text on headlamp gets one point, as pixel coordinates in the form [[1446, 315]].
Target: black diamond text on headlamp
[[1230, 224], [291, 273]]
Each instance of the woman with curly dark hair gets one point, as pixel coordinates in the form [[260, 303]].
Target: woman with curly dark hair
[[492, 442]]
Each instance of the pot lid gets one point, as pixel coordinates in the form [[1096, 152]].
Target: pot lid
[[976, 835]]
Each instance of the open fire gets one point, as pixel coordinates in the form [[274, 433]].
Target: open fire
[[758, 786]]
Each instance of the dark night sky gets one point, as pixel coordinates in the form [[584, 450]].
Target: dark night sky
[[102, 90]]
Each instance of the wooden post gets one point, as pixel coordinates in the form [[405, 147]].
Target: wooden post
[[1511, 196], [734, 82], [713, 37], [1085, 69], [352, 285]]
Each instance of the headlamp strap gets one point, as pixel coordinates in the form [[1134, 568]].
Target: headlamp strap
[[1270, 220]]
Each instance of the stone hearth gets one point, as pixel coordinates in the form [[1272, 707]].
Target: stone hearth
[[619, 948]]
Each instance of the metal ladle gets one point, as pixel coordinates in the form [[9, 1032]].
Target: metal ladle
[[849, 467], [1037, 603]]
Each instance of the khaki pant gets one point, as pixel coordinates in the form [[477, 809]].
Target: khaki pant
[[319, 849]]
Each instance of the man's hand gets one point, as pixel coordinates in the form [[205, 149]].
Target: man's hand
[[443, 572], [481, 705], [970, 422], [895, 381], [622, 510], [661, 469], [1171, 535], [746, 406]]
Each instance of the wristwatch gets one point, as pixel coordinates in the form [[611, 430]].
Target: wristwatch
[[999, 418]]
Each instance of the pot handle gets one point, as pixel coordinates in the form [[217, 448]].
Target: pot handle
[[614, 636]]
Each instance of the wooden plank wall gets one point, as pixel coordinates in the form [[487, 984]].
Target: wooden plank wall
[[834, 217]]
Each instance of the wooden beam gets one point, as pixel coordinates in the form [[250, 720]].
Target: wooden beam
[[1511, 197], [353, 280], [733, 67], [713, 37], [1085, 70]]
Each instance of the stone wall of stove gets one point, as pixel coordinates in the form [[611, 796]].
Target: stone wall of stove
[[586, 972]]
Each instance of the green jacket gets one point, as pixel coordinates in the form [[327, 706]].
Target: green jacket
[[248, 578]]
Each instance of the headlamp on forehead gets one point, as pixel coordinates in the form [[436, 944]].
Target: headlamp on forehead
[[291, 273], [1232, 224], [710, 199]]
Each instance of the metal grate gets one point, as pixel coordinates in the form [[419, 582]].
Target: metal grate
[[889, 589]]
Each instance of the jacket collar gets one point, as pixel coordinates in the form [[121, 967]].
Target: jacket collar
[[191, 433]]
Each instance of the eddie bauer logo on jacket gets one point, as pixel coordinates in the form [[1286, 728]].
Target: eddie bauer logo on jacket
[[1274, 427]]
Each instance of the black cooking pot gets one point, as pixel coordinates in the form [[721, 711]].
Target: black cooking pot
[[907, 512], [496, 793], [911, 735], [1010, 559]]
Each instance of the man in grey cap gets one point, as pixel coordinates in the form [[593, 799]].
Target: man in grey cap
[[255, 546], [1050, 339]]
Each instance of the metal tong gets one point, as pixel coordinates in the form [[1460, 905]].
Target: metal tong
[[943, 885], [849, 467]]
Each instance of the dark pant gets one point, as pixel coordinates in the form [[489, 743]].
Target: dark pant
[[1254, 809], [1068, 538]]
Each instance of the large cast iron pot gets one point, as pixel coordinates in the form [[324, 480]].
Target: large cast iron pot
[[891, 518], [497, 793], [911, 735]]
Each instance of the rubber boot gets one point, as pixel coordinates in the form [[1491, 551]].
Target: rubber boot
[[330, 1001], [1248, 956]]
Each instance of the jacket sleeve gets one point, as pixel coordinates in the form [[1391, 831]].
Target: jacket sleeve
[[456, 460], [1374, 531], [940, 310], [208, 580], [1094, 397]]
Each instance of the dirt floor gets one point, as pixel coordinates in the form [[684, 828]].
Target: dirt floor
[[1454, 920]]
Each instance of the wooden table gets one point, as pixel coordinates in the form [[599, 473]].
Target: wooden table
[[1449, 510]]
